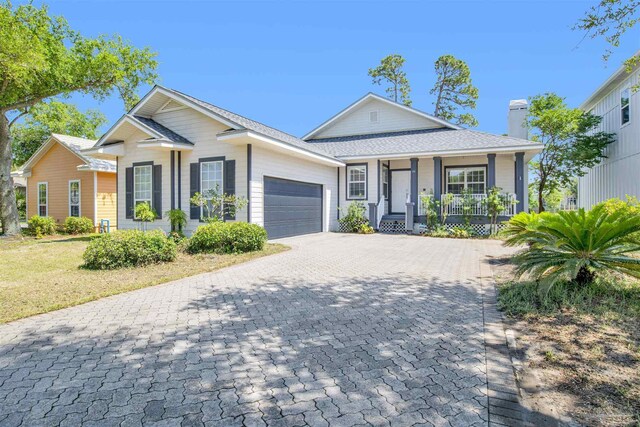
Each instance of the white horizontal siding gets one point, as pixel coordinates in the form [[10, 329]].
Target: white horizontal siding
[[266, 163], [390, 118], [617, 175], [199, 129], [202, 130]]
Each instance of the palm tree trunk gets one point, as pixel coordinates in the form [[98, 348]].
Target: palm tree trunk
[[8, 208]]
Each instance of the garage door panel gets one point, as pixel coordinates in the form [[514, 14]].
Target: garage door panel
[[291, 208]]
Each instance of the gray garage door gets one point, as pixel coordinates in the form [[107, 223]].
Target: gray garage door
[[291, 207]]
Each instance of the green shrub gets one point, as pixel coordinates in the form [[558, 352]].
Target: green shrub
[[227, 237], [461, 233], [78, 225], [573, 246], [41, 225], [128, 248], [353, 217], [366, 229]]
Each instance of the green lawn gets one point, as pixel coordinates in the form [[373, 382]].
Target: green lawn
[[37, 276]]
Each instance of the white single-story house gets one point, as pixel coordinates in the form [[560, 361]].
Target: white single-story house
[[384, 154]]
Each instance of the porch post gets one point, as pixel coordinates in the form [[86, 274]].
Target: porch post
[[491, 171], [414, 185], [520, 171], [437, 178]]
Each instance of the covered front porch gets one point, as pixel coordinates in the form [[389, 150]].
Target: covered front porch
[[396, 189]]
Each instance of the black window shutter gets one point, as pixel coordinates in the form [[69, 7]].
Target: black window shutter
[[230, 182], [157, 190], [128, 184], [194, 187]]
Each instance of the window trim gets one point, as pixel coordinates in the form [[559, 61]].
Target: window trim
[[348, 181], [385, 167], [445, 181], [209, 160], [628, 105], [141, 165], [46, 205], [79, 196]]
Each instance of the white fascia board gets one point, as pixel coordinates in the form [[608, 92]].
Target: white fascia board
[[279, 144], [21, 173], [90, 169], [164, 144], [115, 149], [452, 153], [371, 95]]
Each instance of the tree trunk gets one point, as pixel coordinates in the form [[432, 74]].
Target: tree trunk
[[540, 196], [8, 208]]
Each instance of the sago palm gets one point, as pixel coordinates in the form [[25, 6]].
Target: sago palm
[[572, 246]]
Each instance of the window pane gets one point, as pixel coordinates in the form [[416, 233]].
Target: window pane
[[356, 190], [42, 194], [624, 97], [476, 188], [455, 188], [42, 211], [211, 177], [142, 187], [455, 175], [74, 193], [625, 115], [75, 211]]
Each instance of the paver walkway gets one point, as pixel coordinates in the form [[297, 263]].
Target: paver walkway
[[342, 330]]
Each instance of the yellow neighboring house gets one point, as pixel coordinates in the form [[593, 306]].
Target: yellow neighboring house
[[64, 181]]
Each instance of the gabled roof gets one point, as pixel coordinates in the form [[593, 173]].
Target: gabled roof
[[369, 96], [77, 146], [421, 142], [162, 130], [235, 122], [242, 122]]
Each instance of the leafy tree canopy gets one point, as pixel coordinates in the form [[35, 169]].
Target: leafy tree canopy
[[390, 71], [610, 20], [42, 57], [454, 91], [50, 117], [571, 141]]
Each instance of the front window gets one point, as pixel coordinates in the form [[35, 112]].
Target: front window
[[469, 179], [357, 182], [142, 185], [625, 113], [74, 198], [43, 199], [385, 182], [211, 183]]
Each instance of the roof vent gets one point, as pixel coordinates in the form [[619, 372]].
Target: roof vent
[[373, 116]]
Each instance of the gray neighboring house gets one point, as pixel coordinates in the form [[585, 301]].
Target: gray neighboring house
[[618, 175], [375, 151]]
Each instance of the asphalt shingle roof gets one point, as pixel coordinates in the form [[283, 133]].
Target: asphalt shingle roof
[[162, 130], [416, 141], [254, 126], [77, 145]]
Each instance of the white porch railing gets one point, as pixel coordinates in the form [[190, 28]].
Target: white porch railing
[[477, 206], [380, 212]]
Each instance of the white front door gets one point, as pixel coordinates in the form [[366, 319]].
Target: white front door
[[400, 189]]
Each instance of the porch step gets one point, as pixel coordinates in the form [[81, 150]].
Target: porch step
[[392, 226], [393, 217]]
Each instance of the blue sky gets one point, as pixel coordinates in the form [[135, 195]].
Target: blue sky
[[293, 65]]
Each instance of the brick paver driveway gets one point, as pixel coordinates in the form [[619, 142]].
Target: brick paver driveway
[[342, 330]]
